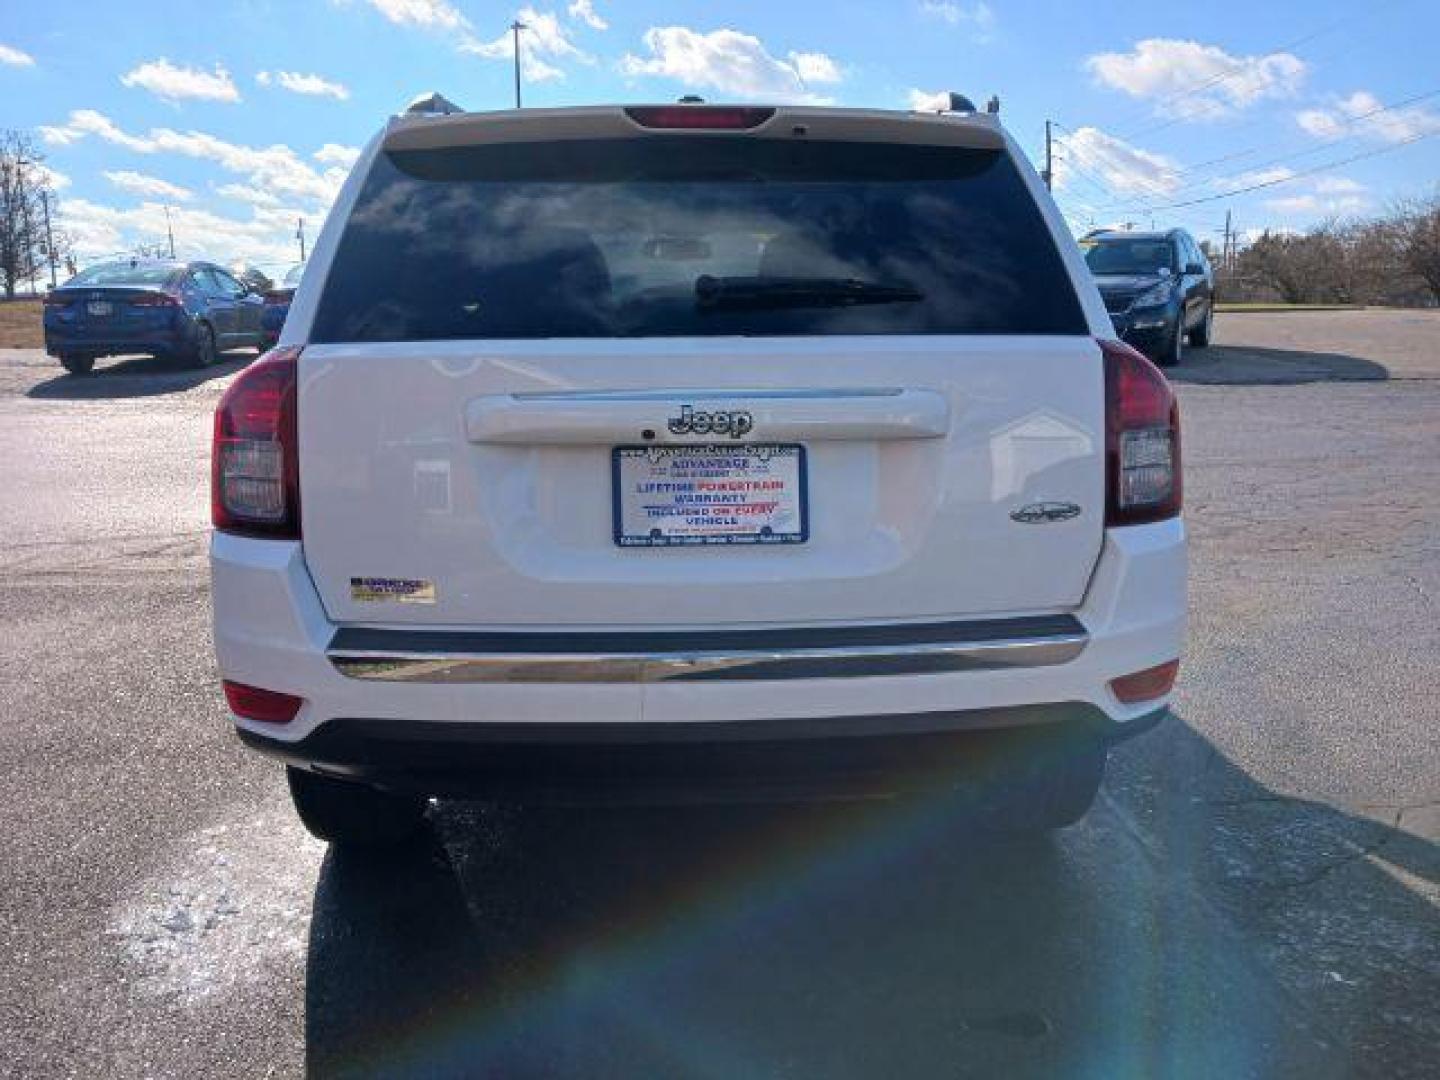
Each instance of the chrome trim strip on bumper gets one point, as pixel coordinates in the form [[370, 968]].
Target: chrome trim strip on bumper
[[851, 661]]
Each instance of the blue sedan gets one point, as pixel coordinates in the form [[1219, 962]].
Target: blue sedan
[[187, 311]]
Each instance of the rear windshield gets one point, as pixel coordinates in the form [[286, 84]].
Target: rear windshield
[[121, 273], [680, 237]]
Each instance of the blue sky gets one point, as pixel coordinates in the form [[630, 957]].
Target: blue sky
[[244, 116]]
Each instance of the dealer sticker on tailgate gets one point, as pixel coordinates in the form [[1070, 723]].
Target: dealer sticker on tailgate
[[751, 494]]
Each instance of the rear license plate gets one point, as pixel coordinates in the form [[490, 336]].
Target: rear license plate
[[669, 495], [99, 307]]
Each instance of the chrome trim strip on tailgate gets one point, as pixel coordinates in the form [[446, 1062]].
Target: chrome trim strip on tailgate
[[1051, 642], [610, 417]]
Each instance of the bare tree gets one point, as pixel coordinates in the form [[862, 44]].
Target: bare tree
[[24, 189], [1416, 225]]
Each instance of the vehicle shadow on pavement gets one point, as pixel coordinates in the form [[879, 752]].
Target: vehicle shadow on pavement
[[884, 940], [137, 376], [1253, 365]]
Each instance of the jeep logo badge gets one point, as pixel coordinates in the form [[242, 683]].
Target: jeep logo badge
[[735, 423]]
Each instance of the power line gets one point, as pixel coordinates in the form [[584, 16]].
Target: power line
[[1350, 122], [1296, 176]]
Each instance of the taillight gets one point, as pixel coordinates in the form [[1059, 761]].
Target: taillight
[[154, 299], [267, 706], [1142, 439], [274, 299], [1154, 682], [255, 463], [700, 117]]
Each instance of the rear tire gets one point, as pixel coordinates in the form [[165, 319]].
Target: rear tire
[[354, 815], [1056, 788], [77, 365], [202, 354], [1200, 336]]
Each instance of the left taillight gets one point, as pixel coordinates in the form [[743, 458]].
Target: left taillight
[[1142, 439], [255, 461]]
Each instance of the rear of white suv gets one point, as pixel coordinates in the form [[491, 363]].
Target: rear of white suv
[[694, 452]]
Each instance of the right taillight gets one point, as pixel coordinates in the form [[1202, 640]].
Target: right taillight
[[266, 706], [255, 462], [1142, 439]]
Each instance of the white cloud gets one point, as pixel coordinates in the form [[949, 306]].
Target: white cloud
[[335, 154], [1124, 169], [1191, 81], [1273, 175], [584, 11], [978, 16], [543, 40], [311, 85], [814, 67], [141, 184], [15, 58], [429, 14], [56, 180], [84, 122], [276, 168], [925, 101], [1311, 204], [1362, 113], [1338, 185], [266, 237], [175, 82], [729, 61], [57, 136], [247, 194]]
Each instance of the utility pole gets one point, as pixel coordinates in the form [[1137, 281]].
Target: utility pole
[[49, 237], [515, 28], [1225, 248], [169, 232], [300, 235], [1049, 173]]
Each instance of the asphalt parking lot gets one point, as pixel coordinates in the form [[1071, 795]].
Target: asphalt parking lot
[[1256, 894]]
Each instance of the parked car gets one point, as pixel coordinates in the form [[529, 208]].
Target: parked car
[[688, 452], [1157, 286], [189, 311], [277, 304]]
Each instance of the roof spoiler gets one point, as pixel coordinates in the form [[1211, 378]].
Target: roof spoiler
[[432, 104]]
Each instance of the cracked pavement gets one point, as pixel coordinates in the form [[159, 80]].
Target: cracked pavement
[[1257, 892]]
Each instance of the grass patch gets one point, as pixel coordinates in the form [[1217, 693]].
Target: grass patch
[[1288, 307], [20, 325]]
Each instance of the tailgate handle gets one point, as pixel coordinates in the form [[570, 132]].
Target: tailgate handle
[[610, 417]]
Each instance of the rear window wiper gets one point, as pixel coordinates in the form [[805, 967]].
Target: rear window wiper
[[764, 291]]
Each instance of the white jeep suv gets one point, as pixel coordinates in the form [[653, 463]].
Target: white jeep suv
[[691, 451]]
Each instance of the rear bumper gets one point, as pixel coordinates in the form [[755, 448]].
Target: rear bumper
[[750, 760], [271, 631], [58, 343]]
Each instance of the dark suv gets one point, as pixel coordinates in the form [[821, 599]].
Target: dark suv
[[1157, 286]]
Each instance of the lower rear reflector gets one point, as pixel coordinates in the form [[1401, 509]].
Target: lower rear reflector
[[1146, 685], [266, 706]]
